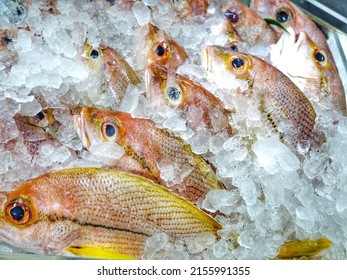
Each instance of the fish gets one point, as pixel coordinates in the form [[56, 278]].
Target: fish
[[289, 15], [252, 28], [165, 88], [286, 109], [148, 150], [190, 8], [43, 119], [95, 212], [316, 77], [162, 49], [115, 72]]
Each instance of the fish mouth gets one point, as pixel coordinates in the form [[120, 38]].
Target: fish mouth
[[80, 127]]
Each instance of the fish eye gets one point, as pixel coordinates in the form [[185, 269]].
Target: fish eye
[[94, 54], [240, 65], [109, 131], [174, 95], [237, 62], [320, 57], [40, 115], [18, 212], [282, 15], [161, 49], [231, 16], [234, 48]]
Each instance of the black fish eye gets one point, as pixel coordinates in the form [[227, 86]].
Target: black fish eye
[[173, 93], [110, 130], [40, 115], [17, 213], [282, 16], [8, 39], [319, 56], [231, 16], [238, 62], [160, 50], [94, 54], [234, 48]]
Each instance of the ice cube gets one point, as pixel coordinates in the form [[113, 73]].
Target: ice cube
[[248, 190], [220, 248], [141, 12], [245, 240], [274, 156], [175, 124], [5, 162], [221, 200], [200, 242], [154, 244], [23, 41]]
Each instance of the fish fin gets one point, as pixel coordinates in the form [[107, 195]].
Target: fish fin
[[97, 253], [303, 248], [134, 79]]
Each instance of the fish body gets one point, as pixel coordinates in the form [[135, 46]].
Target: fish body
[[162, 49], [166, 89], [114, 71], [148, 151], [283, 105], [95, 208], [252, 28], [316, 77]]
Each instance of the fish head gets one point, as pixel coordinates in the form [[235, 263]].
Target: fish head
[[185, 8], [298, 56], [242, 17], [44, 118], [102, 132], [93, 56], [165, 88], [163, 50], [227, 68], [281, 10], [26, 217], [234, 12]]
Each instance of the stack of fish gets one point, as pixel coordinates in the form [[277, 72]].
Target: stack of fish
[[152, 181]]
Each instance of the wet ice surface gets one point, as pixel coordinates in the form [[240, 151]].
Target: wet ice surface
[[271, 196]]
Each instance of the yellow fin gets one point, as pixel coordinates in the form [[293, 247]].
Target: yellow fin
[[302, 248], [98, 253]]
